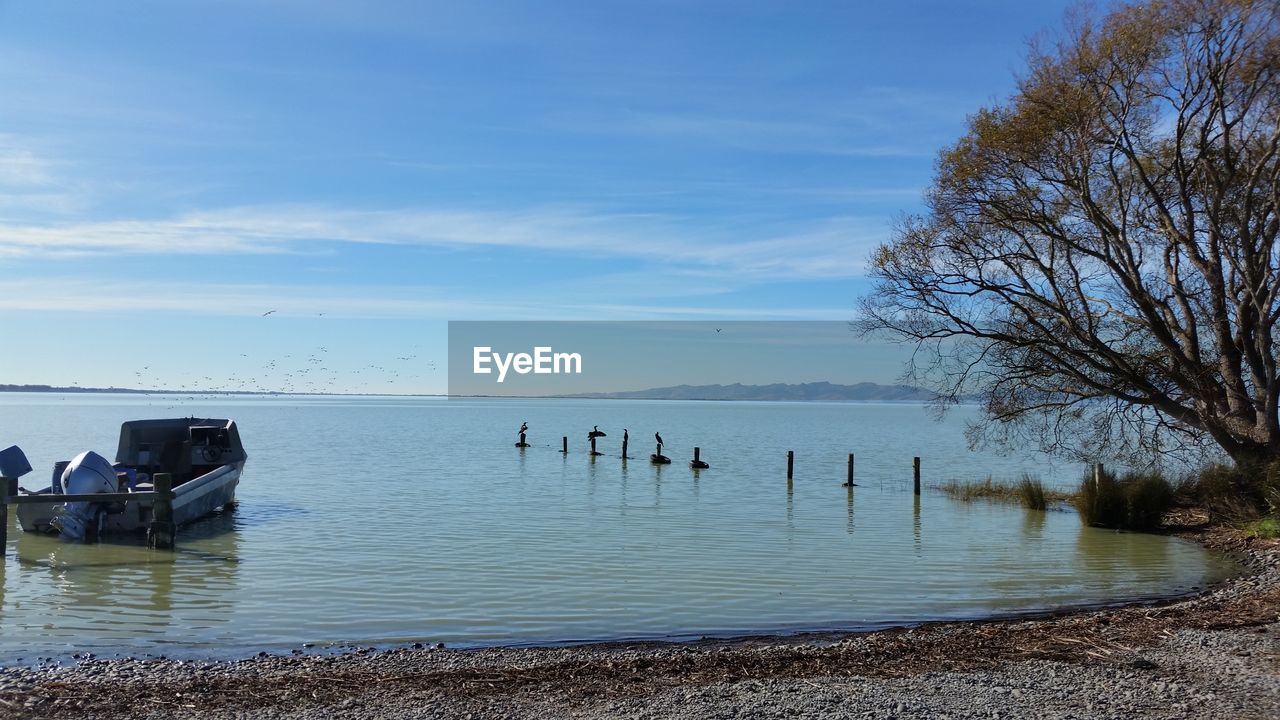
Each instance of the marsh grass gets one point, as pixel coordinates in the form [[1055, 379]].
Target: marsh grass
[[1032, 492], [1028, 492], [1134, 501], [1237, 494]]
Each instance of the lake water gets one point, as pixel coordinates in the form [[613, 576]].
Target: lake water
[[394, 520]]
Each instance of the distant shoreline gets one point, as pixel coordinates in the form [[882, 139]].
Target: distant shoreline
[[54, 389]]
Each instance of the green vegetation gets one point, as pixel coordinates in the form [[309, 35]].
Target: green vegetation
[[1267, 527], [1028, 492], [1247, 497], [1234, 493], [1133, 501]]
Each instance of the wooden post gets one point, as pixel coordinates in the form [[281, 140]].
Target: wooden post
[[915, 471], [624, 448], [849, 475], [593, 447], [523, 443], [1097, 476], [160, 532], [564, 444], [697, 463], [791, 463], [8, 487]]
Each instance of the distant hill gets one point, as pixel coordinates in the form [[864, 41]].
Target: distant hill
[[779, 392]]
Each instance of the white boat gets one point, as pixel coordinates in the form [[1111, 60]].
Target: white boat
[[204, 459]]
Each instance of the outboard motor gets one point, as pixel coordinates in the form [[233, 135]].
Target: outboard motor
[[88, 473]]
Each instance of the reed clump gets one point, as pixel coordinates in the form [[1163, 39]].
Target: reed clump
[[1247, 496], [1032, 493], [1237, 493], [1028, 492], [1133, 501]]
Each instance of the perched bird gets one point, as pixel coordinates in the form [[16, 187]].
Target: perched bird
[[524, 427], [625, 436], [658, 437], [595, 432]]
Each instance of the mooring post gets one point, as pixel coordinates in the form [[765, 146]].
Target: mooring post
[[624, 448], [915, 471], [523, 443], [160, 532], [564, 444], [849, 474], [1097, 476], [593, 446], [8, 487], [791, 463], [697, 463]]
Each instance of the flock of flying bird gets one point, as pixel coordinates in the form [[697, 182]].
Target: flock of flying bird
[[309, 373]]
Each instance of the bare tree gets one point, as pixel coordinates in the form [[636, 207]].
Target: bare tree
[[1098, 261]]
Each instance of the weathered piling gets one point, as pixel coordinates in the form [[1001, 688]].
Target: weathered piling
[[657, 458], [791, 463], [564, 444], [593, 448], [915, 472], [523, 443], [8, 487], [697, 463], [624, 447], [160, 531], [849, 473]]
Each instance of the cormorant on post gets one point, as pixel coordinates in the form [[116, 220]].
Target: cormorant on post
[[524, 427], [595, 432], [625, 436], [658, 458]]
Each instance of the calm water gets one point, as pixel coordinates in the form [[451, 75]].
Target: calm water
[[393, 520]]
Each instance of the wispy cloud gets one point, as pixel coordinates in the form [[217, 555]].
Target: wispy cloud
[[31, 183], [347, 302], [828, 249], [813, 136]]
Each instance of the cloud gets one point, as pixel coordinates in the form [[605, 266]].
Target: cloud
[[30, 183], [812, 136], [347, 302], [832, 248]]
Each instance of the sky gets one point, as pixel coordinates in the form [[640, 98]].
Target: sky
[[221, 195]]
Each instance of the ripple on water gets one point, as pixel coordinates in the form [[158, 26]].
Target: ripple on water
[[401, 519]]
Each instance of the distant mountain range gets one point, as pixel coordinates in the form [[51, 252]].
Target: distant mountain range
[[778, 392]]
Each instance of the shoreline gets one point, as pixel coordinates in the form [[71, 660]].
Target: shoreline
[[793, 675]]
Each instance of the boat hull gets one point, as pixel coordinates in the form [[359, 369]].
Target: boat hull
[[192, 500]]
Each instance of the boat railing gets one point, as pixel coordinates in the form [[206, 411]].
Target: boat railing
[[159, 534]]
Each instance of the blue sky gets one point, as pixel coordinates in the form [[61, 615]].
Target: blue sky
[[169, 171]]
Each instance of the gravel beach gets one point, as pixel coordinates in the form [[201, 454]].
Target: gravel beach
[[1215, 655]]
